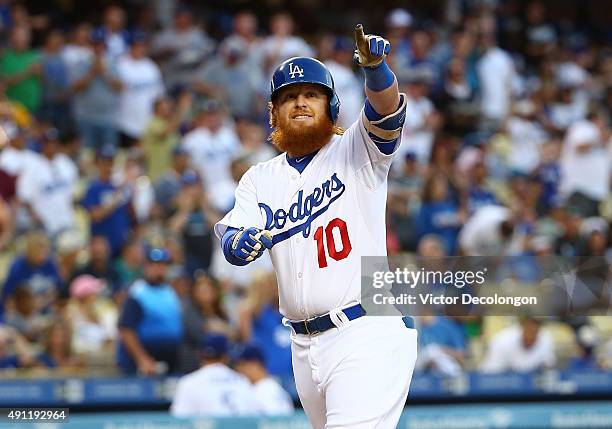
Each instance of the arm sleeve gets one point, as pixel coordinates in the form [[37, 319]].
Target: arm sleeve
[[495, 359], [246, 212], [371, 164], [91, 198], [26, 185], [131, 314]]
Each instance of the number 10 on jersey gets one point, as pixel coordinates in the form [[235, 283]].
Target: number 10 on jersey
[[325, 240]]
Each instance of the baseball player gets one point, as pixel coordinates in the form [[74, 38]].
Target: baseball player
[[319, 207]]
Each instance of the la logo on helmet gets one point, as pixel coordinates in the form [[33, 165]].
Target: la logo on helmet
[[295, 70]]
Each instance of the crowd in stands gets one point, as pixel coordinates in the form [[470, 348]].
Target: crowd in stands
[[122, 141]]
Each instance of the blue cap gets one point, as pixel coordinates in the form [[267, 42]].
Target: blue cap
[[189, 177], [108, 151], [410, 156], [157, 254], [98, 35], [342, 43], [137, 36], [214, 346], [249, 352]]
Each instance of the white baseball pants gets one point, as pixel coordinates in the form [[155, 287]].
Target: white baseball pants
[[356, 376]]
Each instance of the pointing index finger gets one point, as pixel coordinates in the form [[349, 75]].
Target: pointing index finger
[[360, 39]]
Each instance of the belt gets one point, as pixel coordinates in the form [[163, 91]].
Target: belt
[[320, 324]]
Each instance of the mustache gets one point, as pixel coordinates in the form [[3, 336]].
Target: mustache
[[299, 112]]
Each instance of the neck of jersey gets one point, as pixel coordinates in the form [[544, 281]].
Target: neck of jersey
[[300, 163]]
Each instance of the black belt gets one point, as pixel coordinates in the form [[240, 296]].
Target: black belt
[[320, 324]]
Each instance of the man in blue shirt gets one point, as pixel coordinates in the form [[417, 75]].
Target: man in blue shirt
[[36, 270], [151, 322], [107, 204]]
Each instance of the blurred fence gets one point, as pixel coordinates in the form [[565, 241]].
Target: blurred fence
[[140, 392], [583, 415]]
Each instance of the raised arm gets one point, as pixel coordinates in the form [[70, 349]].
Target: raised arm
[[380, 82]]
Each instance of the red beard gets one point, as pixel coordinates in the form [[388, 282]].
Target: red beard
[[301, 140]]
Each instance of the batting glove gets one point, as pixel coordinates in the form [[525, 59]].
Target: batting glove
[[371, 49], [250, 243]]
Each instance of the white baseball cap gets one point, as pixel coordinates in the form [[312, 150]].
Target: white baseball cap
[[399, 18]]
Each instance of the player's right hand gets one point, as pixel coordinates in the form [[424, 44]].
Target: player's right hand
[[250, 243]]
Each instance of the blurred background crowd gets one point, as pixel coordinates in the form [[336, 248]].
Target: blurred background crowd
[[126, 126]]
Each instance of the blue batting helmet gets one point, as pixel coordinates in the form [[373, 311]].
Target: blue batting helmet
[[306, 70]]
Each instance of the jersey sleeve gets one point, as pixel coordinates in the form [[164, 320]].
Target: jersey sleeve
[[371, 165], [246, 212]]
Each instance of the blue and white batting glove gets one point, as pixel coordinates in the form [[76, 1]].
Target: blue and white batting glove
[[371, 50], [249, 244]]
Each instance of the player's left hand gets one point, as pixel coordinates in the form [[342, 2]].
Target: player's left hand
[[371, 50]]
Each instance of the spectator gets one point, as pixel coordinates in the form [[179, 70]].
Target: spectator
[[487, 232], [282, 44], [524, 347], [26, 316], [20, 70], [211, 146], [150, 324], [587, 339], [479, 192], [585, 164], [115, 35], [57, 350], [496, 75], [253, 142], [273, 399], [181, 49], [214, 390], [15, 157], [55, 107], [399, 23], [69, 246], [93, 320], [96, 85], [161, 134], [421, 118], [231, 77], [129, 265], [456, 99], [439, 213], [569, 243], [203, 314], [245, 30], [78, 48], [108, 205], [46, 187], [565, 110], [526, 137], [261, 323], [36, 269], [14, 350], [142, 84], [403, 201], [168, 186], [99, 266], [442, 345], [194, 221]]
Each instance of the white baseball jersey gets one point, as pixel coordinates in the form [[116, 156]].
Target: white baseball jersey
[[322, 220], [214, 390]]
